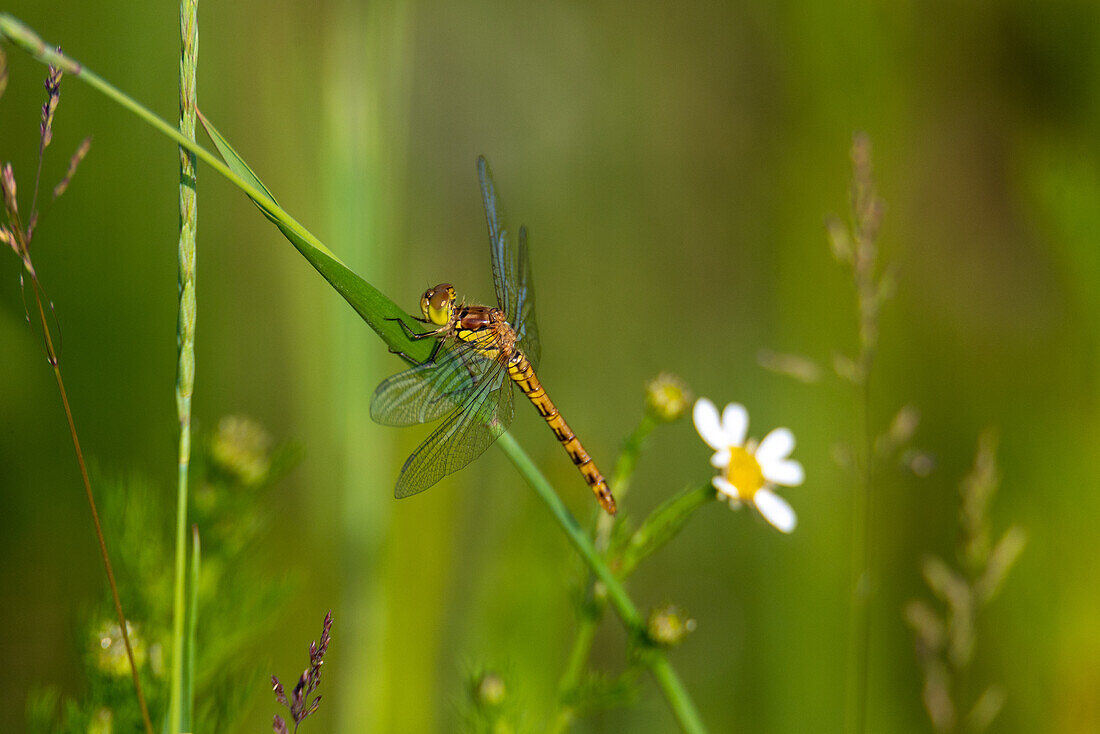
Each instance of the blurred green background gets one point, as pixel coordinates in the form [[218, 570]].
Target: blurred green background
[[675, 164]]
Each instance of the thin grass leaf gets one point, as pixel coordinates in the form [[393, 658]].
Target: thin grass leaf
[[374, 307]]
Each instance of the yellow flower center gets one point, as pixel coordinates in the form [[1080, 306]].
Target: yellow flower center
[[744, 473]]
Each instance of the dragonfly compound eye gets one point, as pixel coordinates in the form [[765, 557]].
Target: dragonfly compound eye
[[438, 303]]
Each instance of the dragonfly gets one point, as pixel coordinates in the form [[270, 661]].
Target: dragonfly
[[479, 352]]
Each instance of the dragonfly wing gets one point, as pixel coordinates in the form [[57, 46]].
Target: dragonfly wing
[[524, 322], [505, 275], [462, 437], [430, 390]]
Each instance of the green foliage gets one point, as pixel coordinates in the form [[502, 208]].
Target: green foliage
[[492, 703], [582, 691], [380, 313], [686, 235], [661, 526], [597, 691], [233, 610]]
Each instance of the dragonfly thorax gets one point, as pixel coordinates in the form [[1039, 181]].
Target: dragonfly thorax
[[486, 328], [438, 304]]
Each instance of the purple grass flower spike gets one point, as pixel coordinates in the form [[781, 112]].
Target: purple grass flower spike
[[53, 98], [7, 183], [19, 230], [7, 239], [3, 72], [299, 703], [280, 695]]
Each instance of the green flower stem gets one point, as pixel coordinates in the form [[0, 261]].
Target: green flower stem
[[574, 668], [586, 627], [616, 594], [624, 471], [628, 457], [677, 696], [661, 526], [586, 633], [594, 609], [179, 710]]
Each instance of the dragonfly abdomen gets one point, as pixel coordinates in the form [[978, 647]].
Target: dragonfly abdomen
[[521, 372]]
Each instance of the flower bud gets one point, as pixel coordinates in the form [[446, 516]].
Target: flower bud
[[242, 448], [102, 721], [489, 690], [669, 625], [667, 397], [109, 649]]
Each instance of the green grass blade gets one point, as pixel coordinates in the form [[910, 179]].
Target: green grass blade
[[374, 307], [371, 305]]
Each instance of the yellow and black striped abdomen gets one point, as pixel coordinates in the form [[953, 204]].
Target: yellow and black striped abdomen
[[519, 369]]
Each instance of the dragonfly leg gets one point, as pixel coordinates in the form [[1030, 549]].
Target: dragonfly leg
[[413, 334], [408, 358]]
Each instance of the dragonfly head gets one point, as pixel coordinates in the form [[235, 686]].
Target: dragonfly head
[[437, 304]]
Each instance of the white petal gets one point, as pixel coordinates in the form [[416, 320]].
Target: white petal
[[776, 446], [721, 459], [775, 510], [725, 488], [785, 471], [735, 423], [707, 424]]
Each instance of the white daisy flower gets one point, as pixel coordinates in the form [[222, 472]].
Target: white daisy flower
[[750, 472]]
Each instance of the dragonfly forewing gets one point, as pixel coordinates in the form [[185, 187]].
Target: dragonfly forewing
[[462, 437], [430, 390]]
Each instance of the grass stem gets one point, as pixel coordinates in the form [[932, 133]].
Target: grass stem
[[51, 356], [178, 709]]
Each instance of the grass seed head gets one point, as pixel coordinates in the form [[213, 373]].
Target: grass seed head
[[53, 98]]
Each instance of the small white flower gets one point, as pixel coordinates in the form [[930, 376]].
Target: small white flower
[[750, 472]]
